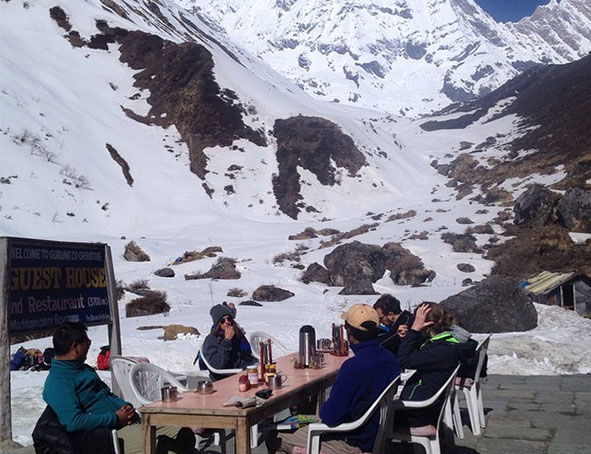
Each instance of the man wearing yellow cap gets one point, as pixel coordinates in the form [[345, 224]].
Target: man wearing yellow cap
[[360, 381]]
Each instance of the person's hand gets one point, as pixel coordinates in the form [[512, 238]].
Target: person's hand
[[229, 332], [125, 416], [402, 330], [420, 317]]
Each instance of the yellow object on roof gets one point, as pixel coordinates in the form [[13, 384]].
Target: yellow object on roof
[[546, 281]]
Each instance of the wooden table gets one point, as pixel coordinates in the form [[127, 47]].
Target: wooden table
[[198, 410]]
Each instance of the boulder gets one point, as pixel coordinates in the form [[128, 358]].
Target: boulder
[[405, 267], [316, 273], [493, 305], [354, 265], [153, 303], [133, 253], [461, 242], [466, 268], [574, 210], [271, 293], [172, 331], [536, 207], [464, 221], [164, 272], [249, 303], [224, 268]]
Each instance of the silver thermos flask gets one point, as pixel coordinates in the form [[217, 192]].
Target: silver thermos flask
[[307, 345]]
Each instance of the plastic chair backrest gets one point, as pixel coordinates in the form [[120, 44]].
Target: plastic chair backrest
[[481, 351], [260, 336], [446, 389], [147, 380], [217, 371], [121, 369], [383, 402]]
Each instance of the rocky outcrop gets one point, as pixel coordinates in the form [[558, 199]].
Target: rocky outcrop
[[224, 268], [317, 145], [271, 293], [171, 332], [356, 266], [316, 273], [152, 303], [134, 253], [574, 210], [536, 207], [461, 242], [494, 305]]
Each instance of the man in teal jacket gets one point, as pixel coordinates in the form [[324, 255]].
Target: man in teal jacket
[[82, 401]]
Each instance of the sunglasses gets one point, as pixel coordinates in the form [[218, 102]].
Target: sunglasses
[[226, 320]]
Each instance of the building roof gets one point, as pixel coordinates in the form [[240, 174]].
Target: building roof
[[545, 282]]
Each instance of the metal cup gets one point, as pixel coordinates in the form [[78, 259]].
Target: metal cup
[[276, 381], [169, 393]]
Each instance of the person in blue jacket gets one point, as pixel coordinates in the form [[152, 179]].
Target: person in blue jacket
[[431, 349], [83, 402], [359, 383]]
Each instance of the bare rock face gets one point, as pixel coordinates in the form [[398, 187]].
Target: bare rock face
[[224, 268], [574, 210], [356, 266], [494, 305], [316, 273], [271, 293], [134, 253], [317, 145], [536, 207]]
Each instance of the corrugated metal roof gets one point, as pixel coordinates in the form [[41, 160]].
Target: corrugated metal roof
[[546, 281]]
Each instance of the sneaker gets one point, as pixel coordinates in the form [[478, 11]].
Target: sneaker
[[424, 431]]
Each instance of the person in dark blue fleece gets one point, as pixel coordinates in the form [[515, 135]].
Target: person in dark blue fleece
[[359, 382], [83, 402]]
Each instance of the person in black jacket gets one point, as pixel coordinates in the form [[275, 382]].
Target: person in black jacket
[[394, 322], [432, 350]]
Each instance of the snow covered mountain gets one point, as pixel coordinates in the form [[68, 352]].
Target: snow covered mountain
[[399, 56]]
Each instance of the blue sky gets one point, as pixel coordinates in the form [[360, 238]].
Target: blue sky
[[510, 10]]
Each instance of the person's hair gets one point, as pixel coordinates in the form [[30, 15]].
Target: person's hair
[[67, 335], [441, 319], [388, 304], [362, 336]]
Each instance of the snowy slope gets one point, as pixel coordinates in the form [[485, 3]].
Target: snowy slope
[[402, 56]]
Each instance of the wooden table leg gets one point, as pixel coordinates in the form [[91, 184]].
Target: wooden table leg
[[242, 436], [149, 435]]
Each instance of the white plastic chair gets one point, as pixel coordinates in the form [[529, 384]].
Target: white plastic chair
[[383, 402], [217, 371], [473, 392], [147, 380], [121, 369], [429, 442], [260, 336]]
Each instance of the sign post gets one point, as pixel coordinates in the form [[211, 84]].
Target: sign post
[[45, 284]]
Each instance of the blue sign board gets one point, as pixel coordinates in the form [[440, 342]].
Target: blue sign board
[[52, 282]]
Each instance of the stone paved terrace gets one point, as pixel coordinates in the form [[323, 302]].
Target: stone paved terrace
[[525, 415]]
